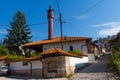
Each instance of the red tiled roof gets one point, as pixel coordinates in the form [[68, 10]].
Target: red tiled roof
[[57, 39], [3, 58], [34, 58], [58, 51]]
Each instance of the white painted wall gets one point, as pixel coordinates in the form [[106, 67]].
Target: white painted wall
[[66, 45], [75, 60], [77, 63], [37, 64], [2, 63]]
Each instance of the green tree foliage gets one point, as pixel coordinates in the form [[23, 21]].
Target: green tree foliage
[[115, 46], [3, 51], [18, 33]]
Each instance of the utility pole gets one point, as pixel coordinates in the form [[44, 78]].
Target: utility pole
[[60, 18], [61, 31]]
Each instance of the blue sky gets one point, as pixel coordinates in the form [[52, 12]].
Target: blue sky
[[100, 21]]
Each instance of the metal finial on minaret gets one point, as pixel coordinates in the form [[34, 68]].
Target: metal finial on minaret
[[50, 7]]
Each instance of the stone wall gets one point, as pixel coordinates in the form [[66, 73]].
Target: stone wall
[[62, 66], [54, 67]]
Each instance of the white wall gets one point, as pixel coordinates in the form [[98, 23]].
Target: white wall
[[2, 63], [66, 45], [77, 63], [19, 65], [75, 60]]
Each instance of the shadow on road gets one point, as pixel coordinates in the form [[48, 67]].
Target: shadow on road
[[98, 67]]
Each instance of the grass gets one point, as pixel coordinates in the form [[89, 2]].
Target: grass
[[117, 66], [35, 54], [112, 72], [14, 57]]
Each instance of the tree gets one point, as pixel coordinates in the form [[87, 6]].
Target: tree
[[4, 51], [18, 33]]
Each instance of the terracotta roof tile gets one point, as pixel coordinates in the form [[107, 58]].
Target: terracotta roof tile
[[58, 51], [3, 58], [57, 39]]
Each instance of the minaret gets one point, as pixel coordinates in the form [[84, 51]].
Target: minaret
[[50, 22]]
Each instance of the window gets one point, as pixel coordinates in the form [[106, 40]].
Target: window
[[71, 48], [44, 48]]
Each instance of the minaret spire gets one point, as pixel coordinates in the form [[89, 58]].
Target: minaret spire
[[50, 22]]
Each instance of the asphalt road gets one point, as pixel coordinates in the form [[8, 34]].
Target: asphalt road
[[96, 71]]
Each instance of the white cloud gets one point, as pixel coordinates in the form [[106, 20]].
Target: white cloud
[[109, 24], [81, 17], [110, 28], [111, 31]]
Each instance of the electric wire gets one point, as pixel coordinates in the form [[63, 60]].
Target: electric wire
[[36, 24], [88, 9], [93, 6]]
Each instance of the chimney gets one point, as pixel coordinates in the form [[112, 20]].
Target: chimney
[[50, 22]]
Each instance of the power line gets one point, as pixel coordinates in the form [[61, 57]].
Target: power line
[[93, 6], [72, 24], [36, 24], [88, 9]]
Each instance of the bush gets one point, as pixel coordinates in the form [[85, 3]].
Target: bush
[[77, 52], [35, 54], [14, 57], [117, 65]]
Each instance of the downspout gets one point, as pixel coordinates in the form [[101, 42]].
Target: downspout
[[30, 68], [42, 60]]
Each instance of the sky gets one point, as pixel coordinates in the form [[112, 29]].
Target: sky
[[82, 18]]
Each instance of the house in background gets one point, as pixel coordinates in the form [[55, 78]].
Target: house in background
[[93, 52]]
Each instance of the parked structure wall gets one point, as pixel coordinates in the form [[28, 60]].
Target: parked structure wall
[[20, 69]]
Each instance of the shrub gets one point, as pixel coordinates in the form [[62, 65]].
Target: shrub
[[35, 54], [117, 65], [14, 57], [77, 52]]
